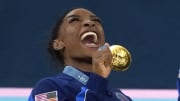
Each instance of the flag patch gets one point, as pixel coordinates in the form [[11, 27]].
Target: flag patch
[[48, 96]]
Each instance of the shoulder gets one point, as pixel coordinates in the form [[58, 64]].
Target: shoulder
[[44, 85], [51, 83]]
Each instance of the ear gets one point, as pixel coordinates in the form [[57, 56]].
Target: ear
[[58, 44]]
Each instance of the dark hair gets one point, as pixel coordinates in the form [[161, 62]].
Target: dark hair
[[57, 54]]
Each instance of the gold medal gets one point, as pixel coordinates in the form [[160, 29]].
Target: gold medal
[[121, 58]]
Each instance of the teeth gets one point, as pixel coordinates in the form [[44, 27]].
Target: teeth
[[89, 33]]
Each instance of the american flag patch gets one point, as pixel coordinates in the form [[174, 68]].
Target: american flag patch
[[48, 96]]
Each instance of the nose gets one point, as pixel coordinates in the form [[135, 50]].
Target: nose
[[89, 23]]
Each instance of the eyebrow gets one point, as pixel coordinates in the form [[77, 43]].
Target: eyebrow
[[94, 16], [70, 16], [77, 16]]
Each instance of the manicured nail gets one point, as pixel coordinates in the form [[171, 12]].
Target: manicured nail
[[102, 48]]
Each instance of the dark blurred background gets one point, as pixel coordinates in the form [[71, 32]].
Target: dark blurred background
[[149, 29]]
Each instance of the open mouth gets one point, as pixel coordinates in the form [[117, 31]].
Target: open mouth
[[90, 39]]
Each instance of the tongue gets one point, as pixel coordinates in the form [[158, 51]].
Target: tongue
[[89, 41], [90, 45]]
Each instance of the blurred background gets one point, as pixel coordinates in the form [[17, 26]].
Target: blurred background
[[149, 29]]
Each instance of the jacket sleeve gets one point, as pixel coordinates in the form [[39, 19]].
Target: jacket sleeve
[[97, 90], [96, 85]]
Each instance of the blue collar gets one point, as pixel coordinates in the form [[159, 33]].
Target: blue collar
[[76, 74]]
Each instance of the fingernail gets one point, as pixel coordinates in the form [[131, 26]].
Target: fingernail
[[102, 48]]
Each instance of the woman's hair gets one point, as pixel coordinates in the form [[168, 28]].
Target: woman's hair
[[57, 54]]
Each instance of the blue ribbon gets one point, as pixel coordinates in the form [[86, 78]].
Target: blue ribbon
[[82, 95], [30, 98]]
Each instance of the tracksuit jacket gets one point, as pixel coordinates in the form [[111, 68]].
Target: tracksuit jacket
[[75, 85]]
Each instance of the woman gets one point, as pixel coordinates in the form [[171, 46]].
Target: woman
[[78, 42]]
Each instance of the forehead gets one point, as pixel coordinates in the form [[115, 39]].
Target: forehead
[[80, 11]]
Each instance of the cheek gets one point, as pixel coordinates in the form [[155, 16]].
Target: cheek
[[102, 36], [72, 28], [71, 37], [70, 33]]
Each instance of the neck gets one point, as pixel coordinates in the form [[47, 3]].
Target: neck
[[84, 64]]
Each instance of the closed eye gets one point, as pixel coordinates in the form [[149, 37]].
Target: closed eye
[[97, 20], [74, 19]]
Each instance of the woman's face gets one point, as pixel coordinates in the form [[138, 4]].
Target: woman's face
[[81, 33]]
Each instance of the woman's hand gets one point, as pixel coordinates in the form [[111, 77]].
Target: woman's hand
[[101, 61]]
